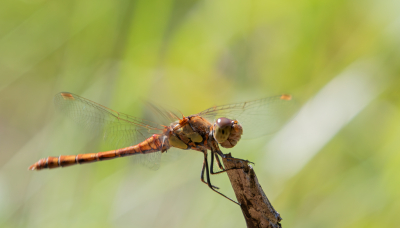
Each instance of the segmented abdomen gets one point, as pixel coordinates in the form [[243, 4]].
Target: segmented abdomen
[[153, 144]]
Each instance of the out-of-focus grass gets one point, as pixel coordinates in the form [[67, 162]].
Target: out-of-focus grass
[[192, 55]]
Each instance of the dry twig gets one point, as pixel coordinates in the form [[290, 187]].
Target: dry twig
[[256, 208]]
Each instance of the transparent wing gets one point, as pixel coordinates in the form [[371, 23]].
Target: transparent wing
[[157, 112], [151, 160], [117, 129], [259, 117]]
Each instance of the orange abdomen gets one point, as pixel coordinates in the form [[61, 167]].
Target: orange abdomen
[[153, 144]]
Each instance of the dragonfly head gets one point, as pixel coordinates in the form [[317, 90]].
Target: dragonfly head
[[227, 132]]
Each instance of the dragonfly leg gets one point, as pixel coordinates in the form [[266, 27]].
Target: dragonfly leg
[[205, 164], [218, 161], [202, 176], [214, 154], [238, 159]]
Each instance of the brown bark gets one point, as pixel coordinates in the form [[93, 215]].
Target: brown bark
[[256, 208]]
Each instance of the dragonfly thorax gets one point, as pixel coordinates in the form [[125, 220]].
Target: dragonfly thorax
[[227, 132], [190, 132]]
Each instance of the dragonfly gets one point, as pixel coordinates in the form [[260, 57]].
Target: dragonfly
[[205, 131]]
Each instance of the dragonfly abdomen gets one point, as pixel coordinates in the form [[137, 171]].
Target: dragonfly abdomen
[[150, 145]]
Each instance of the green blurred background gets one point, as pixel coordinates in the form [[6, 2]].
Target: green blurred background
[[336, 165]]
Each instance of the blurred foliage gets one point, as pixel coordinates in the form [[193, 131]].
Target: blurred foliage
[[192, 55]]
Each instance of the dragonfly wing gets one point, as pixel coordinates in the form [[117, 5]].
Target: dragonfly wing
[[157, 112], [117, 129], [151, 160], [258, 117]]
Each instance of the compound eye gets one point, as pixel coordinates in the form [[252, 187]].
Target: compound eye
[[222, 129]]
